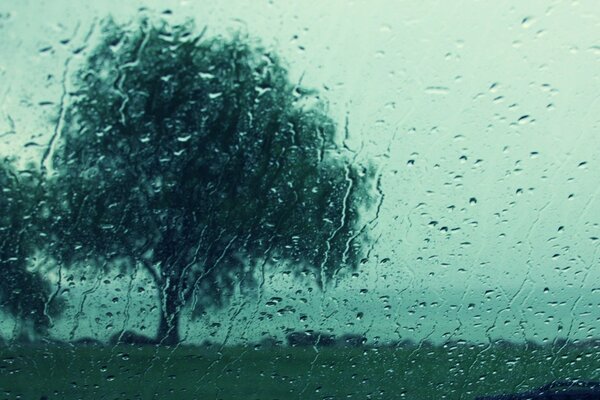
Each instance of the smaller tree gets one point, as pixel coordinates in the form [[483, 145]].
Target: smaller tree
[[24, 293]]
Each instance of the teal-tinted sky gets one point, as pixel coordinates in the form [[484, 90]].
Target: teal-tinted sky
[[484, 117]]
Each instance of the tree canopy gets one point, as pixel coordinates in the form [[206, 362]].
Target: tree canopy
[[198, 160], [24, 293]]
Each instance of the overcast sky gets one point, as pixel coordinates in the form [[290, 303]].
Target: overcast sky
[[483, 117]]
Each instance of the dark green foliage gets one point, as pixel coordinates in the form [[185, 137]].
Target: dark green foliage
[[198, 159], [24, 293]]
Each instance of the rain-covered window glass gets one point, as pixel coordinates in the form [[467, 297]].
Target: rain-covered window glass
[[299, 200]]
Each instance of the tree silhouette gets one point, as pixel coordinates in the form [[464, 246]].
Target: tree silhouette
[[24, 293], [197, 160]]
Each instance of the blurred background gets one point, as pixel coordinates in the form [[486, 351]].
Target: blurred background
[[484, 120]]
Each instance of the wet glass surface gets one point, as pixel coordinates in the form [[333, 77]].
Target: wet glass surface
[[270, 200]]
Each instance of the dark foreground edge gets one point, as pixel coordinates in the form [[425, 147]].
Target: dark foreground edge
[[558, 390]]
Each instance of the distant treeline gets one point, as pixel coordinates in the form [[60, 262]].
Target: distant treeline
[[311, 338]]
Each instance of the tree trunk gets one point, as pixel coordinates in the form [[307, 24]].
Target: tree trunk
[[168, 329], [171, 307]]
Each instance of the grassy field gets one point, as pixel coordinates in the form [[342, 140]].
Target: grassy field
[[127, 372]]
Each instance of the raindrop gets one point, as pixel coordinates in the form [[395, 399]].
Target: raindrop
[[527, 22]]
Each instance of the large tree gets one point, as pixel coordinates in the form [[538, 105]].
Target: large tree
[[197, 160], [24, 292]]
